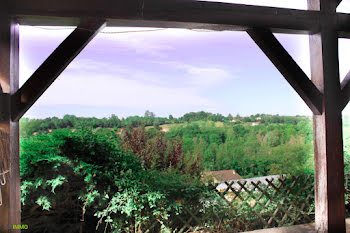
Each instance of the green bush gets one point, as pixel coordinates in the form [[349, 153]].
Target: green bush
[[83, 179]]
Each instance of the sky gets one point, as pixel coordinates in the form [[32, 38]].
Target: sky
[[169, 71]]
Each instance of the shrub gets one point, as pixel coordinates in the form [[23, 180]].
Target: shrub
[[83, 179]]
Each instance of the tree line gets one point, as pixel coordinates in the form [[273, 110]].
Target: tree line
[[254, 145], [30, 126]]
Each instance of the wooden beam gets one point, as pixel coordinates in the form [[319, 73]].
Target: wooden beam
[[167, 13], [53, 66], [343, 25], [328, 141], [294, 75], [345, 91], [60, 21], [10, 210]]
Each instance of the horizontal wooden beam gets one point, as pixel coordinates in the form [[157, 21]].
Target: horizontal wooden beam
[[53, 66], [288, 68], [343, 25], [345, 91], [59, 21], [166, 13]]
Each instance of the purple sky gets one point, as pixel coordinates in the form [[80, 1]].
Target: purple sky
[[170, 71]]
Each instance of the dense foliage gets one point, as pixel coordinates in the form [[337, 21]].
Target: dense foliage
[[254, 146], [156, 152], [30, 126], [263, 149], [81, 173], [84, 179]]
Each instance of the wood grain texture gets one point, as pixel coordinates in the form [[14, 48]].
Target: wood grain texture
[[294, 75], [167, 13], [176, 14], [328, 141], [53, 66], [9, 131]]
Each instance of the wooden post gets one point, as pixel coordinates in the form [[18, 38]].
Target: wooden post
[[9, 133], [328, 141]]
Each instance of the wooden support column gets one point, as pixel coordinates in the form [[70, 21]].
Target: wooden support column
[[328, 141], [9, 133]]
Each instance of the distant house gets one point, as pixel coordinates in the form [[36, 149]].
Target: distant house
[[256, 123], [120, 131], [221, 176], [165, 129]]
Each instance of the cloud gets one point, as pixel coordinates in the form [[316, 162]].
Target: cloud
[[143, 42], [94, 65], [107, 90], [147, 81], [87, 66], [91, 82], [156, 44], [83, 83], [203, 76]]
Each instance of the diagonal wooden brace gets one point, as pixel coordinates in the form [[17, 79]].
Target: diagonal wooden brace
[[294, 75], [53, 66]]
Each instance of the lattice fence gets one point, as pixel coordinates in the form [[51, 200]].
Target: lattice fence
[[243, 205], [248, 205]]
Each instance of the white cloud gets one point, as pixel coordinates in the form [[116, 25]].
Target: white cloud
[[153, 43], [107, 90], [191, 76], [90, 65], [143, 42], [200, 76], [118, 86]]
